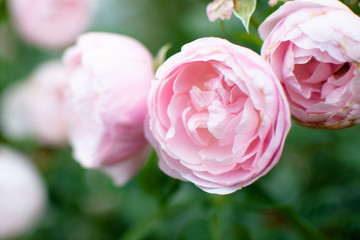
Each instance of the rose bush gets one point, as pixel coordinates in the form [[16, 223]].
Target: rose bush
[[109, 84], [36, 107], [217, 116], [23, 197], [314, 49], [51, 24]]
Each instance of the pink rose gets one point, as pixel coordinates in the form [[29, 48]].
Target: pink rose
[[36, 107], [217, 116], [52, 24], [109, 84], [222, 9], [22, 194], [314, 49]]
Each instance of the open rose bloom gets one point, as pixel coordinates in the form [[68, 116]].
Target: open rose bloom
[[109, 84], [36, 108], [217, 116], [52, 24], [314, 49]]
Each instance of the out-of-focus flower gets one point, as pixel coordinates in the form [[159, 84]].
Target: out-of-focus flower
[[222, 9], [273, 2], [109, 84], [22, 194], [314, 49], [217, 116], [36, 107], [52, 24]]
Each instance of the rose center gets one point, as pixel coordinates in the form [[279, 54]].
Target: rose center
[[214, 104]]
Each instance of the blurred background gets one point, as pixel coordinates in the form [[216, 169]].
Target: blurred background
[[313, 193]]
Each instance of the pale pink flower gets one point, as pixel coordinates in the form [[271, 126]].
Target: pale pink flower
[[314, 49], [222, 9], [52, 24], [22, 194], [217, 116], [109, 84], [273, 3], [36, 107]]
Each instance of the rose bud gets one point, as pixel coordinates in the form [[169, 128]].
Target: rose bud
[[109, 84], [222, 9], [314, 49], [218, 116]]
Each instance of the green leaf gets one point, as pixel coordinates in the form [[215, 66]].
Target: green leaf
[[161, 56], [7, 46], [3, 10], [244, 9]]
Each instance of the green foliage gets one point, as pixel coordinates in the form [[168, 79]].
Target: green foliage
[[244, 9], [161, 56], [311, 194], [3, 11]]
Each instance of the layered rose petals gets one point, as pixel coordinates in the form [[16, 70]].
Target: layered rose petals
[[217, 116], [314, 49]]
